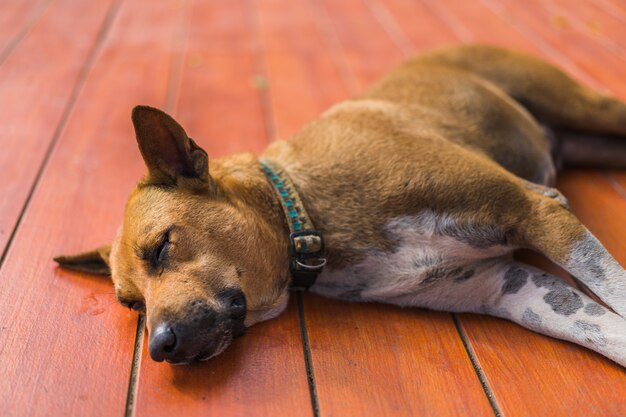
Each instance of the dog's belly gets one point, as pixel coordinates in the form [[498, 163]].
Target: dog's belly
[[433, 252]]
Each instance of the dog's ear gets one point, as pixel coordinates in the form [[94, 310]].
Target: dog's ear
[[93, 262], [167, 150]]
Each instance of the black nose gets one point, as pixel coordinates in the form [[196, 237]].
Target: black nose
[[163, 343]]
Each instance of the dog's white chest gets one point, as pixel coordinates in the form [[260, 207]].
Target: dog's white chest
[[432, 249]]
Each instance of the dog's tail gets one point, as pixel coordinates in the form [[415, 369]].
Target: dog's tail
[[589, 128]]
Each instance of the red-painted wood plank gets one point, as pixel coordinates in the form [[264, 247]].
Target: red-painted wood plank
[[263, 372], [374, 360], [295, 98], [429, 32], [260, 374], [219, 98], [536, 24], [39, 79], [590, 19], [66, 344], [481, 23], [16, 17], [392, 369], [369, 50], [615, 7]]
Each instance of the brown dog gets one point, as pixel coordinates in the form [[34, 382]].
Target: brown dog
[[422, 188]]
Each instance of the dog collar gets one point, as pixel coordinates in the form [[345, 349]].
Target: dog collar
[[306, 243]]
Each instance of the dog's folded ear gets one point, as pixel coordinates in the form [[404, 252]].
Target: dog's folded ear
[[167, 150], [93, 262]]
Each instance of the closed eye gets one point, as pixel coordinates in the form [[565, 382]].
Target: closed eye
[[160, 253], [138, 306]]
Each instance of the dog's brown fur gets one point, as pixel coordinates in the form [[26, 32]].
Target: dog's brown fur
[[461, 131]]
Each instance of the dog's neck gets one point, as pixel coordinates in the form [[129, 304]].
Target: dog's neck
[[248, 182], [240, 178], [306, 244]]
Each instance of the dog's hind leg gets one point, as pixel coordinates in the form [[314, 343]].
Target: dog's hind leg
[[542, 303], [589, 127], [550, 228]]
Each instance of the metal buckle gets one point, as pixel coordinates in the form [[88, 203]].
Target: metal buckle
[[320, 264], [298, 251], [302, 255]]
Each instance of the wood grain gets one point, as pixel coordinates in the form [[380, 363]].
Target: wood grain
[[220, 98], [373, 360], [591, 20], [368, 49], [303, 87], [263, 372], [16, 18], [38, 80], [66, 344]]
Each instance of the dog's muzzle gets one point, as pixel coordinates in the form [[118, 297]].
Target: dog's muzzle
[[201, 333]]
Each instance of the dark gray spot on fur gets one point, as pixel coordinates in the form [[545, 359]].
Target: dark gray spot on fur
[[591, 252], [514, 279], [548, 281], [564, 301], [594, 309], [589, 332], [561, 296], [480, 237], [531, 319], [465, 276]]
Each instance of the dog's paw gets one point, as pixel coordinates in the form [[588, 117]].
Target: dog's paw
[[549, 192]]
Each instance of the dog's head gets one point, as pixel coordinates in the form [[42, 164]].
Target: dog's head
[[199, 253]]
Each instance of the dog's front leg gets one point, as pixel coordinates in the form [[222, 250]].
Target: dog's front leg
[[545, 304], [554, 231]]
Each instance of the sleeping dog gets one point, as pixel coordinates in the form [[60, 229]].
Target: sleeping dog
[[415, 193]]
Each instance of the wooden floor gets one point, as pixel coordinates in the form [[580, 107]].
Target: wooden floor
[[239, 74]]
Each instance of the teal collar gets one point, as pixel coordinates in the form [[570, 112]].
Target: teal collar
[[306, 243]]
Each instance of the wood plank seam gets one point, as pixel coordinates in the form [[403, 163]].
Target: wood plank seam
[[563, 60], [180, 42], [608, 43], [80, 82], [324, 24], [10, 47], [135, 368], [308, 360], [479, 371], [389, 25], [612, 9], [269, 118], [616, 185]]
